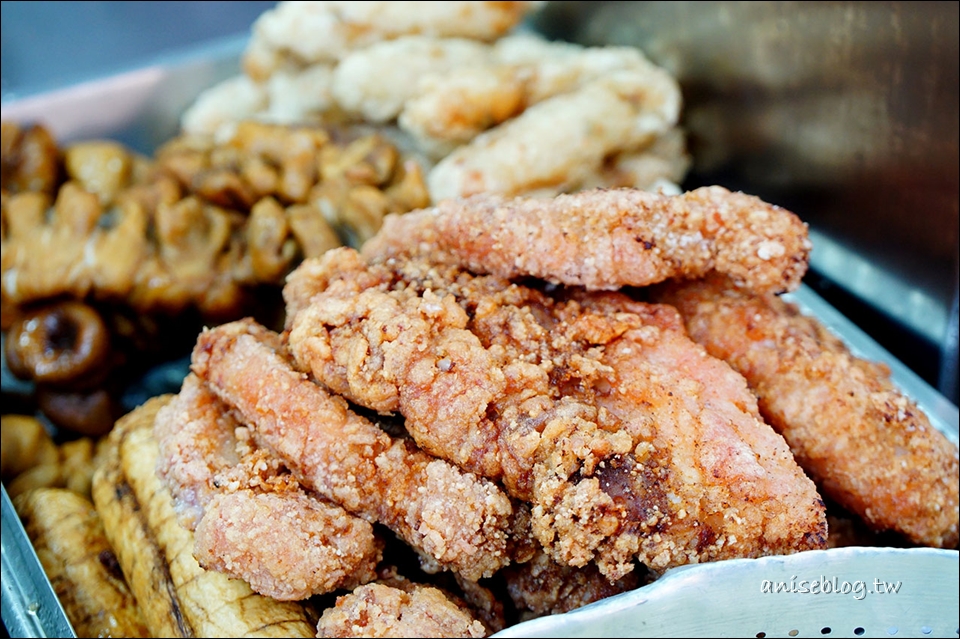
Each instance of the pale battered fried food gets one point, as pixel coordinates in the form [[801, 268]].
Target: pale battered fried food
[[555, 145], [362, 87], [626, 437], [606, 239], [451, 517], [295, 34], [869, 447], [233, 494]]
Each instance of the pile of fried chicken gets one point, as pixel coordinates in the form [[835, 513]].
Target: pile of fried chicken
[[549, 392]]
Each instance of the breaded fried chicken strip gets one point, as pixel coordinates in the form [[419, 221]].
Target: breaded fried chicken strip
[[233, 494], [606, 239], [627, 438], [868, 446], [456, 519]]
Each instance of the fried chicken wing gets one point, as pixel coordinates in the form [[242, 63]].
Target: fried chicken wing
[[606, 239], [233, 493], [869, 447], [626, 437], [460, 521]]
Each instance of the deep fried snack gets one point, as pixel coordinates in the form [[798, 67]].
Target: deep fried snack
[[233, 494], [399, 608], [194, 601], [69, 539], [869, 447], [626, 437], [295, 34], [361, 87], [30, 159], [454, 518], [556, 144], [24, 443], [605, 239]]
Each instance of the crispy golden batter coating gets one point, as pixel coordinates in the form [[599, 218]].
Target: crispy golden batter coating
[[606, 239], [452, 517], [626, 437], [296, 34], [233, 494], [869, 447]]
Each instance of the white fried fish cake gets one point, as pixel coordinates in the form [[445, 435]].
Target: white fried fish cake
[[520, 70], [312, 32], [374, 83], [554, 145]]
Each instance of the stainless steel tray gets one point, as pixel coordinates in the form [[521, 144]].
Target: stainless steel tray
[[141, 109]]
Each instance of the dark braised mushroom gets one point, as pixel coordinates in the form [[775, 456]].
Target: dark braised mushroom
[[58, 344]]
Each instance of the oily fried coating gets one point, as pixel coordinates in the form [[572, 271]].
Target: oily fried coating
[[626, 437], [362, 87], [398, 609], [233, 493], [606, 239], [457, 519], [868, 446], [156, 553], [287, 546], [301, 33], [553, 146]]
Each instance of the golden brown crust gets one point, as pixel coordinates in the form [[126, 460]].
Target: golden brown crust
[[349, 460], [607, 239], [593, 408], [869, 447], [194, 601]]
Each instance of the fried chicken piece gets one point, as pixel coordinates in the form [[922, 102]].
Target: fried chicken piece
[[302, 33], [606, 239], [870, 448], [460, 521], [288, 546], [626, 437], [544, 587], [398, 609], [233, 494]]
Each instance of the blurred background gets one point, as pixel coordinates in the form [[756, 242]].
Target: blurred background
[[844, 112], [48, 44]]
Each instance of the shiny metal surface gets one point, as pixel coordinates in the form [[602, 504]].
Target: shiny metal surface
[[782, 596], [844, 112], [30, 607]]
